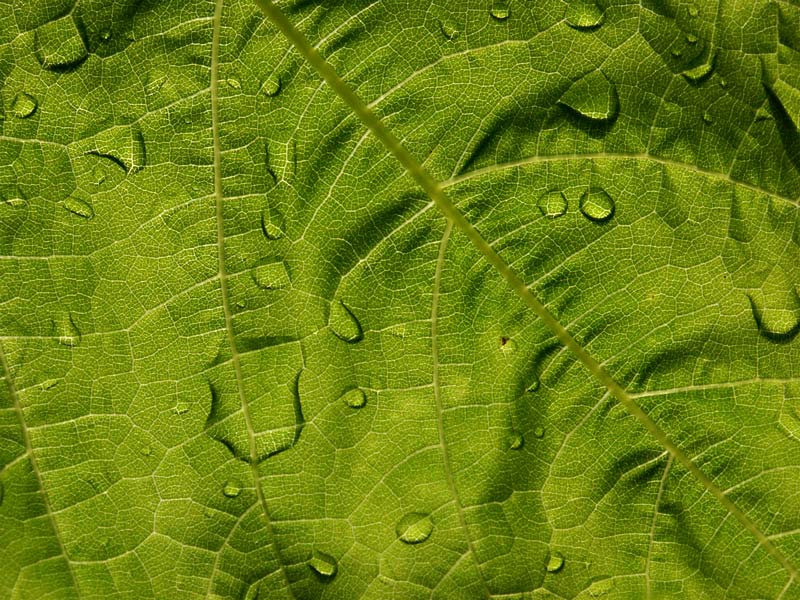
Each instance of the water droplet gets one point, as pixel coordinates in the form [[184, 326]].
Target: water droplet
[[539, 432], [99, 175], [555, 562], [344, 324], [355, 398], [105, 35], [145, 450], [708, 118], [23, 105], [515, 440], [15, 199], [583, 14], [691, 38], [182, 407], [271, 224], [414, 528], [322, 564], [234, 83], [448, 29], [601, 587], [693, 11], [271, 276], [500, 10], [232, 488], [593, 97], [553, 204], [79, 207], [533, 386], [701, 72], [49, 384], [271, 86], [123, 145], [66, 331], [59, 44], [762, 114], [676, 52], [597, 205], [776, 307], [723, 83]]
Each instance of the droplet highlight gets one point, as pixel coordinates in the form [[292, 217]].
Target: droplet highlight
[[59, 45], [596, 205], [23, 105], [500, 10], [271, 276], [66, 331], [555, 562], [344, 324], [355, 398], [583, 15], [552, 205], [232, 488], [79, 207], [414, 528], [323, 564], [776, 307], [592, 97]]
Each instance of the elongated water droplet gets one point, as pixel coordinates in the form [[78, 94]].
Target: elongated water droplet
[[234, 83], [79, 207], [583, 14], [59, 44], [344, 324], [701, 72], [534, 385], [601, 587], [232, 488], [597, 205], [500, 10], [23, 105], [515, 440], [593, 97], [355, 398], [776, 307], [414, 528], [539, 432], [323, 564], [271, 224], [555, 562], [49, 384], [448, 29], [271, 86], [553, 204], [66, 331], [13, 198], [271, 276]]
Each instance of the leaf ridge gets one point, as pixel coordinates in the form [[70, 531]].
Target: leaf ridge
[[435, 190]]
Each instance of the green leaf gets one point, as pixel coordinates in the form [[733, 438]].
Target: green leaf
[[504, 304]]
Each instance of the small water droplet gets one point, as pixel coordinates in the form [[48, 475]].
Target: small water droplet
[[691, 38], [59, 44], [676, 52], [145, 450], [776, 307], [533, 386], [448, 29], [597, 205], [271, 86], [66, 331], [23, 105], [583, 14], [601, 587], [355, 398], [708, 117], [271, 225], [79, 207], [414, 528], [232, 488], [323, 564], [105, 35], [593, 97], [539, 432], [182, 407], [344, 324], [693, 11], [271, 276], [555, 562], [49, 384], [553, 204], [515, 440], [762, 114], [15, 199], [500, 10], [723, 83], [99, 175], [234, 83]]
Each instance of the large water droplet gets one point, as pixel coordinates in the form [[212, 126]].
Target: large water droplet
[[232, 488], [515, 440], [59, 44], [500, 10], [555, 562], [593, 97], [271, 86], [66, 331], [776, 307], [597, 205], [701, 72], [583, 14], [448, 29], [414, 528], [79, 207], [271, 224], [23, 105], [553, 204], [344, 324], [355, 398], [323, 564], [271, 276]]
